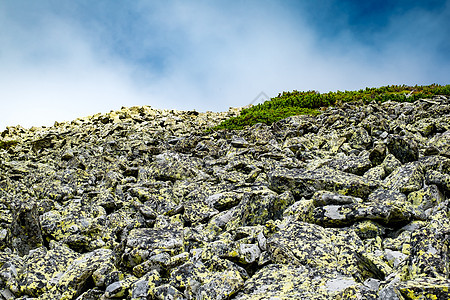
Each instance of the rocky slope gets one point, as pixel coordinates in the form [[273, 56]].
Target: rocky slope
[[144, 204]]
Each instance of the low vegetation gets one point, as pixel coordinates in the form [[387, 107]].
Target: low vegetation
[[296, 103]]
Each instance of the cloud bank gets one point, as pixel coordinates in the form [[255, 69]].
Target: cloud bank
[[63, 60]]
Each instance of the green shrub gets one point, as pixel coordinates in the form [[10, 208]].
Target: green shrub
[[296, 103]]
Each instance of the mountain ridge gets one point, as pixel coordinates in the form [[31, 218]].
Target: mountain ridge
[[142, 203]]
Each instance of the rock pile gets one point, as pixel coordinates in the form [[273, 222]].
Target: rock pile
[[145, 204]]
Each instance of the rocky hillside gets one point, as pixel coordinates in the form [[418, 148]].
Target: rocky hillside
[[146, 204]]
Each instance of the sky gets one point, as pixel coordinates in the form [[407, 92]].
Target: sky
[[64, 59]]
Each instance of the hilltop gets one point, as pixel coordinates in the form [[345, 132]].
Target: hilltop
[[347, 201]]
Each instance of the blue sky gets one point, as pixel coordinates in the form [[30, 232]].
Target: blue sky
[[62, 59]]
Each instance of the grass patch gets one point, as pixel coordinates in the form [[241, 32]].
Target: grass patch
[[299, 103]]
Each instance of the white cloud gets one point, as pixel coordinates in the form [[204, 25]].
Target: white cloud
[[214, 56], [233, 54], [51, 73]]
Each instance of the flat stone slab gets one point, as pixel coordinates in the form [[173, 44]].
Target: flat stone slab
[[303, 183]]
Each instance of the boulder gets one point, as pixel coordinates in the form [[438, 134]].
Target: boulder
[[43, 269], [25, 231], [303, 183], [73, 280], [403, 149], [142, 242], [280, 281]]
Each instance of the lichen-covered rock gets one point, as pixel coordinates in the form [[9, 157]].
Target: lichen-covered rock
[[323, 198], [200, 283], [173, 166], [426, 198], [441, 180], [166, 291], [8, 143], [145, 287], [407, 178], [91, 294], [279, 281], [430, 251], [425, 288], [142, 242], [390, 164], [263, 205], [198, 212], [159, 262], [403, 149], [9, 276], [25, 231], [43, 268], [355, 165], [78, 225], [71, 282], [118, 289], [301, 243], [388, 213], [441, 142], [142, 203], [368, 229], [225, 200], [306, 182], [360, 139]]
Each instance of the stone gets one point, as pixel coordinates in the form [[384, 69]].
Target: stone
[[8, 143], [142, 242], [429, 251], [426, 198], [25, 232], [386, 195], [198, 212], [118, 289], [368, 229], [145, 285], [91, 294], [224, 201], [441, 180], [394, 258], [72, 281], [377, 154], [407, 178], [323, 198], [355, 165], [199, 282], [404, 150], [279, 281], [390, 164], [300, 243], [170, 166], [425, 287], [43, 268], [360, 139], [305, 182], [166, 291], [376, 173], [7, 294], [77, 224]]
